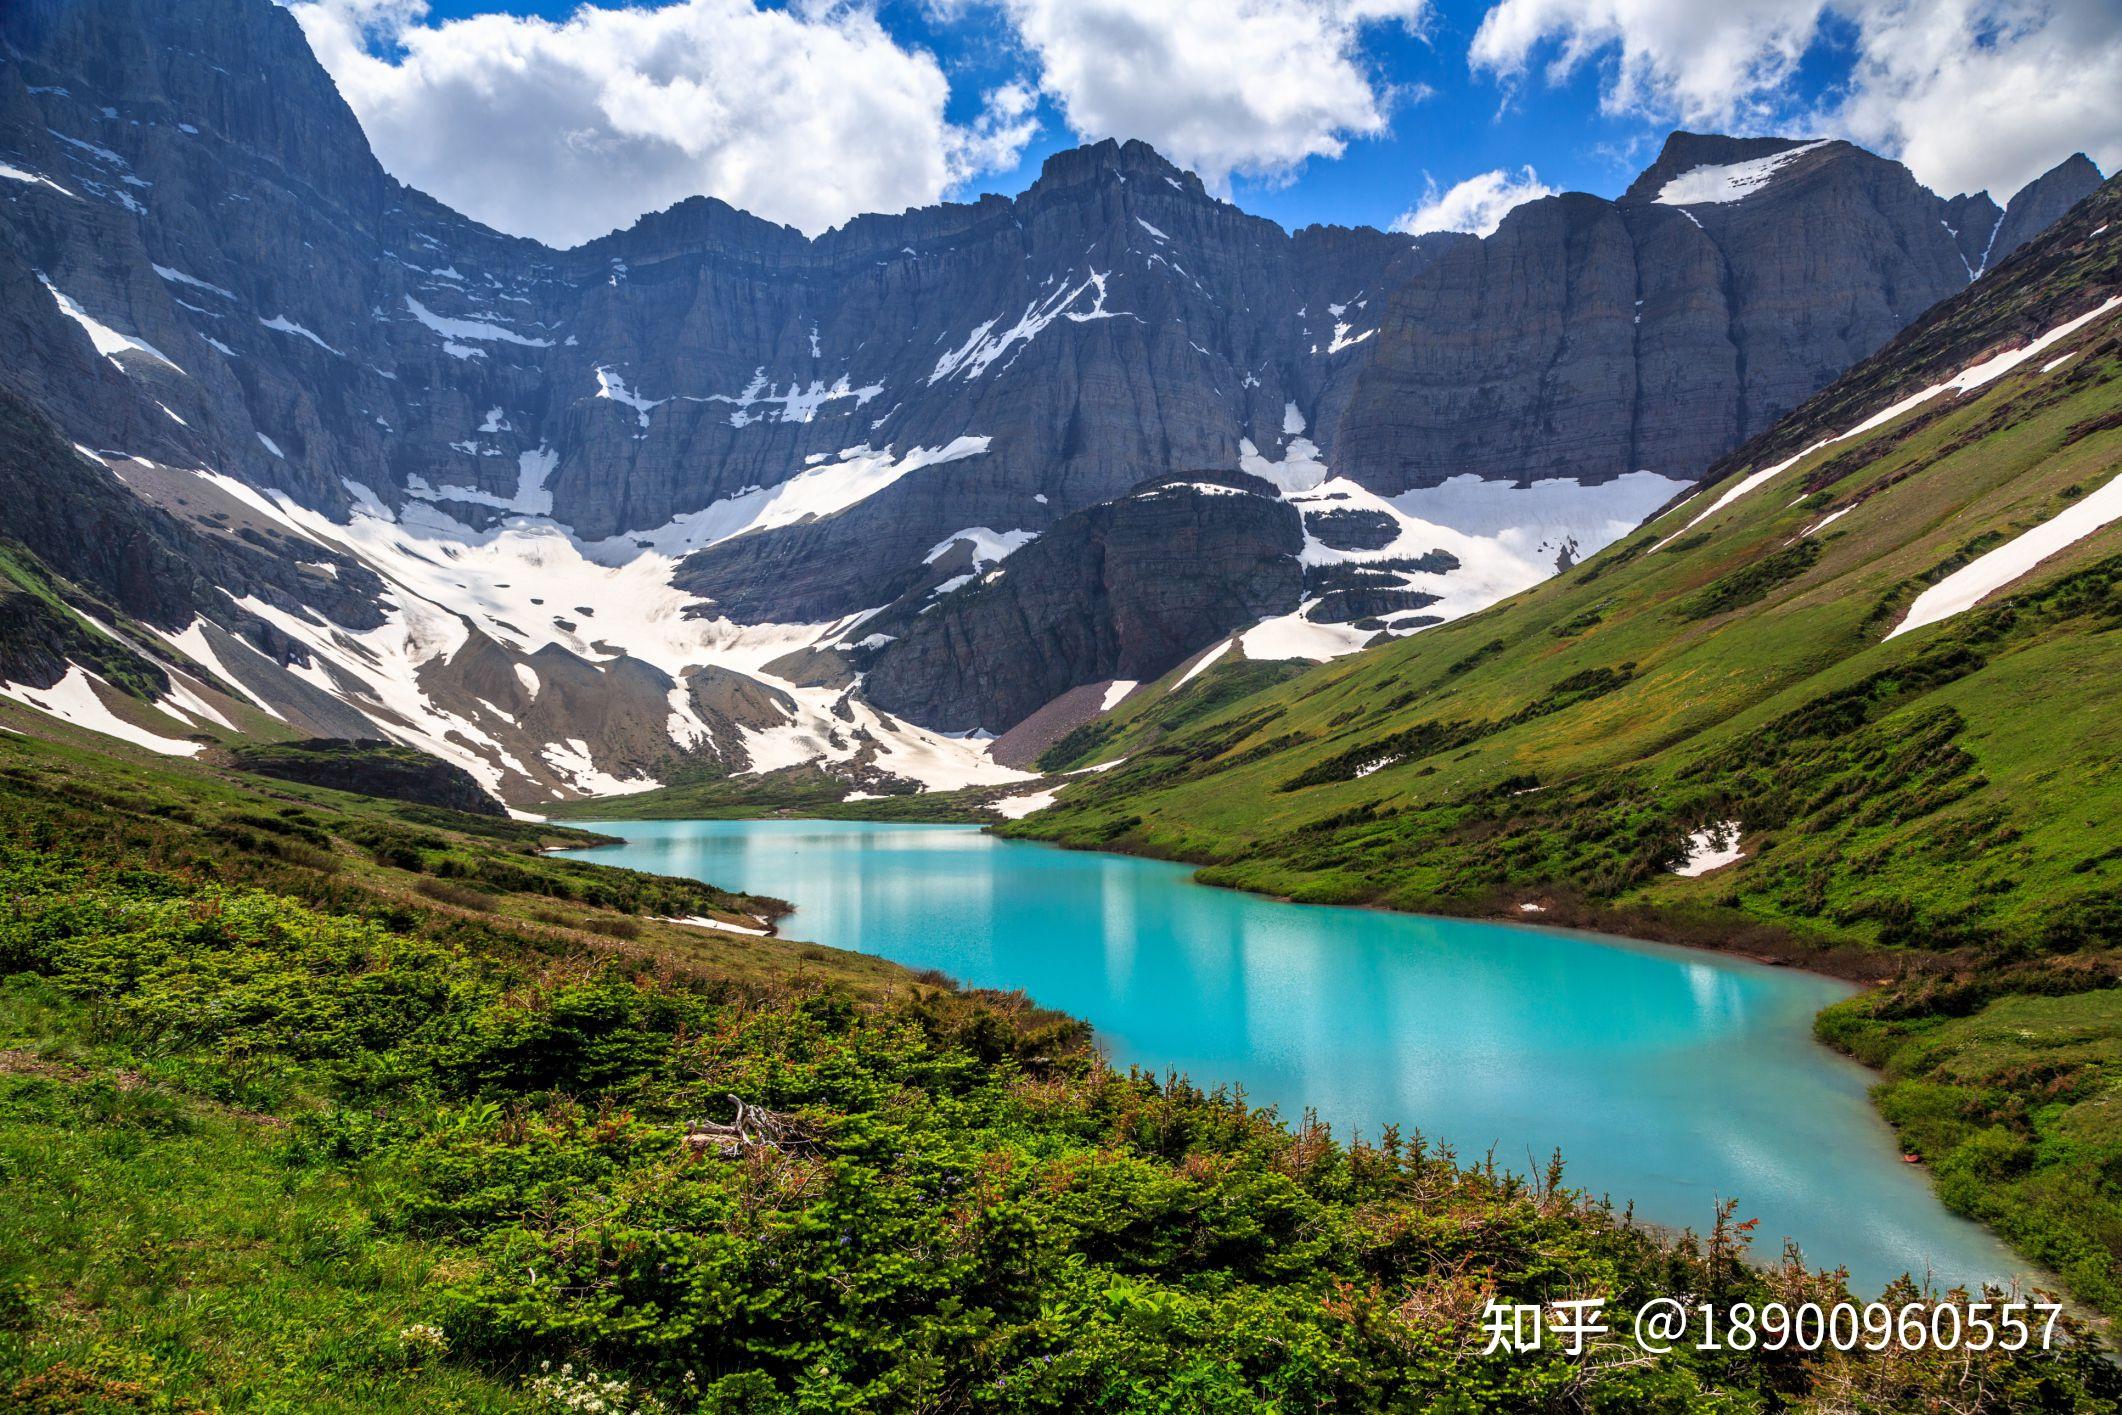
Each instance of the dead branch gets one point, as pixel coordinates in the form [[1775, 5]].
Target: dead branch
[[753, 1128]]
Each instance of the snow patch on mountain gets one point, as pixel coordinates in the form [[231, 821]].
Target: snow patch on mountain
[[1984, 576], [478, 330], [74, 699], [528, 583], [194, 644], [534, 470], [990, 547], [282, 324], [1344, 340], [571, 759], [860, 473], [1294, 636], [1202, 663], [1506, 537], [1198, 488], [1299, 469], [1734, 181], [1711, 848], [800, 404], [531, 497], [17, 174], [1968, 379], [612, 385], [982, 347], [1018, 807], [108, 341], [181, 702]]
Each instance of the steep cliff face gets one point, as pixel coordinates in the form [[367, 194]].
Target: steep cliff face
[[1113, 320], [2040, 204], [1589, 338], [321, 325], [1124, 590], [575, 519]]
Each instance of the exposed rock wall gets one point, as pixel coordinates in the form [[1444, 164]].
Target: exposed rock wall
[[1124, 590]]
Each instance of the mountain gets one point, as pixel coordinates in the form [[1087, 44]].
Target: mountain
[[1101, 597], [1850, 705], [1588, 337], [678, 502], [2039, 205], [1930, 538]]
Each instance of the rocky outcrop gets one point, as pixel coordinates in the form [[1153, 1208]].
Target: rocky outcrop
[[2041, 203], [1124, 590], [1588, 338], [127, 559], [370, 767]]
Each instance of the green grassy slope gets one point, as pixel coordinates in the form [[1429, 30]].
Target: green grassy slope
[[1938, 808], [393, 859], [282, 1129]]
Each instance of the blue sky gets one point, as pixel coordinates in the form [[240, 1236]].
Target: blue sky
[[1463, 125], [1349, 111]]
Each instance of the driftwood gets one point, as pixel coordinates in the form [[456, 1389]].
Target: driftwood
[[754, 1127]]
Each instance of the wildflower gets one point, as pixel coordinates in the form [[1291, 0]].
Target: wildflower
[[589, 1393]]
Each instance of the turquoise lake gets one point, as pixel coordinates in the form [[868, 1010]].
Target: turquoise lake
[[1667, 1076]]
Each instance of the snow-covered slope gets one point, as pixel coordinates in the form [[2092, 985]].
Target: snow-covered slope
[[681, 499]]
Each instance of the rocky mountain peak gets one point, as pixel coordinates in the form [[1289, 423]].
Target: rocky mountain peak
[[230, 70], [906, 459], [1686, 152], [2037, 205], [696, 226], [1972, 219], [1102, 161]]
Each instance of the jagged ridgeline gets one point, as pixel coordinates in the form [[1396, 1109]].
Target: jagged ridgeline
[[1856, 694], [1877, 642], [708, 501]]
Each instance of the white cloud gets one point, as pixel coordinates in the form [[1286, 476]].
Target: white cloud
[[1477, 204], [1970, 93], [564, 131], [1976, 95], [1711, 63], [1250, 87]]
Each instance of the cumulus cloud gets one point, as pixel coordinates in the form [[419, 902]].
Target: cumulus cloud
[[566, 130], [1245, 87], [1710, 64], [1477, 204], [1970, 93], [1986, 95]]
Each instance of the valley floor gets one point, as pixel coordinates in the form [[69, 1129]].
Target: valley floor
[[314, 1102]]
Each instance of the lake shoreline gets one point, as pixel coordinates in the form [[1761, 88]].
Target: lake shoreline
[[1570, 918], [1557, 922], [1763, 942], [1730, 933]]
